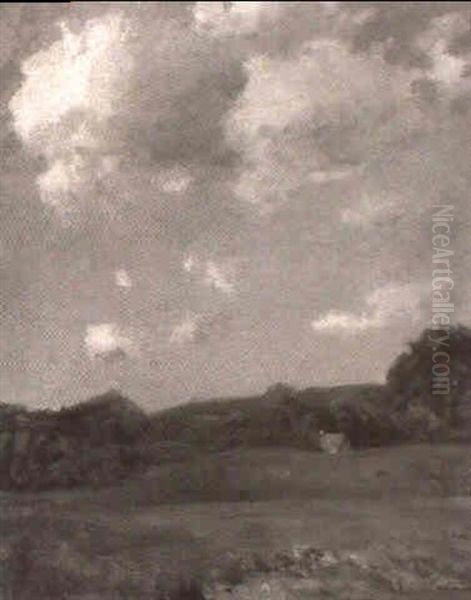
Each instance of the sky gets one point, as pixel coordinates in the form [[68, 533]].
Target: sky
[[203, 199]]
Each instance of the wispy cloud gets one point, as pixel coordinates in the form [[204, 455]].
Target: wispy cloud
[[327, 175], [369, 210]]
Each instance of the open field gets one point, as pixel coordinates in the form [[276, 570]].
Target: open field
[[271, 523]]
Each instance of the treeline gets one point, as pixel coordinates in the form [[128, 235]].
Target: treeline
[[409, 407], [90, 443], [430, 386], [108, 438]]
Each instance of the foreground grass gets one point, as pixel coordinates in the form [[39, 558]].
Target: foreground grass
[[254, 524]]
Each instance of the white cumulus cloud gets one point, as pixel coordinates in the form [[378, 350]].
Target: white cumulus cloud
[[173, 181], [185, 331], [300, 121], [122, 278], [105, 338], [220, 277], [64, 77], [68, 89], [189, 263], [383, 305]]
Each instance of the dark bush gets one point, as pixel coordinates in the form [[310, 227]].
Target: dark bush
[[410, 381]]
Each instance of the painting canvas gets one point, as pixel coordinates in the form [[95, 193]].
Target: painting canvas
[[235, 317]]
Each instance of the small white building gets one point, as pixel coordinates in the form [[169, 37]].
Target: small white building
[[333, 443]]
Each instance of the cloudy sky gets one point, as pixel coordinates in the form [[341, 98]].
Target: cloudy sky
[[206, 198]]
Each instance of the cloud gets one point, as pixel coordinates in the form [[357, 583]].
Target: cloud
[[113, 356], [59, 181], [122, 279], [371, 209], [333, 174], [397, 28], [185, 130], [132, 128], [173, 181], [263, 28], [447, 69], [312, 119], [384, 305], [336, 320], [62, 99], [63, 78], [185, 331], [446, 66], [431, 40], [105, 340], [211, 326], [231, 18], [200, 328], [220, 277], [189, 263]]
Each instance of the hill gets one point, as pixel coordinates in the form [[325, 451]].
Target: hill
[[108, 438], [281, 416]]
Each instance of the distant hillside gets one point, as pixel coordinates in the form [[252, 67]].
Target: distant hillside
[[281, 416], [109, 437]]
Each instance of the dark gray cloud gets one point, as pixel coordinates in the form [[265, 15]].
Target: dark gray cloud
[[397, 26], [112, 356], [214, 325]]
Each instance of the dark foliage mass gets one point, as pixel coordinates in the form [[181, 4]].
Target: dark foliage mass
[[430, 385], [108, 437], [90, 443]]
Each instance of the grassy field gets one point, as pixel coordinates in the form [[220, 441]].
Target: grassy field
[[269, 523]]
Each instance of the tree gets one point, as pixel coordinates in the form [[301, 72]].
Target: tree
[[411, 378]]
